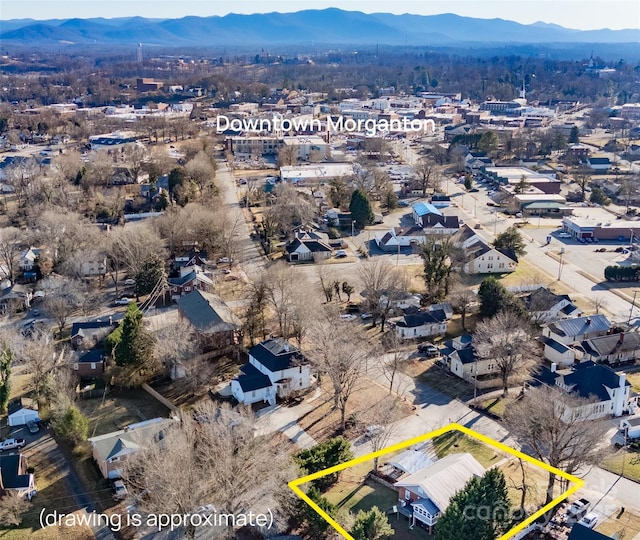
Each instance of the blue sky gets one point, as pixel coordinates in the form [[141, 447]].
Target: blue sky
[[579, 14]]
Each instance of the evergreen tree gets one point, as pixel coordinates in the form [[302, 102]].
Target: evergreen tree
[[490, 517], [71, 425], [468, 181], [135, 345], [322, 456], [371, 525], [510, 239], [488, 142], [360, 208], [6, 358], [148, 276], [574, 135], [492, 296]]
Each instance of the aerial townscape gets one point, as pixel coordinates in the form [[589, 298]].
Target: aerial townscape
[[239, 250]]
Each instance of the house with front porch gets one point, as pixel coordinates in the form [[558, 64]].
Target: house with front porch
[[307, 246], [424, 496], [276, 369], [479, 257], [191, 278], [612, 348]]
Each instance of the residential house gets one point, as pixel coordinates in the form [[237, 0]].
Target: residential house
[[112, 449], [94, 266], [545, 306], [191, 278], [89, 364], [21, 411], [424, 496], [580, 532], [476, 161], [15, 477], [478, 257], [86, 335], [214, 322], [446, 307], [599, 163], [609, 390], [307, 246], [14, 297], [612, 348], [420, 324], [193, 257], [28, 258], [399, 238], [463, 361], [275, 370], [557, 352], [440, 200], [569, 331]]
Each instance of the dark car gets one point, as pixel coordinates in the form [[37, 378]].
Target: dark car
[[33, 427]]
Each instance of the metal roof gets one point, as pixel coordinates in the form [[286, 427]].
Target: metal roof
[[422, 209], [580, 325]]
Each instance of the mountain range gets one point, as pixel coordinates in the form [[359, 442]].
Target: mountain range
[[327, 26]]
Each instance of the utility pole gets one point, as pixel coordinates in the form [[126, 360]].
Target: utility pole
[[633, 305], [561, 263]]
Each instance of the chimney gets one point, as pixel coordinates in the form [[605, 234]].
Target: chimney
[[623, 380], [110, 320], [554, 367], [588, 320], [621, 337], [286, 347]]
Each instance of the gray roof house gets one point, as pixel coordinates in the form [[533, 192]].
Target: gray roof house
[[571, 330], [423, 496], [111, 449]]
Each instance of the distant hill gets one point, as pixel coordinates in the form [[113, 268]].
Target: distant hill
[[327, 26]]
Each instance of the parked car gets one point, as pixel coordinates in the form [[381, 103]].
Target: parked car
[[341, 254], [428, 349], [120, 491], [589, 521], [518, 214], [564, 235], [348, 317], [129, 281], [35, 312], [373, 430], [366, 316], [11, 444], [224, 260], [33, 427], [124, 301], [578, 508]]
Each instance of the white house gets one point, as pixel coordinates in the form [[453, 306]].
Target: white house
[[631, 427], [558, 353], [545, 306], [420, 324], [571, 330], [28, 258], [608, 391], [307, 246], [19, 413], [478, 257], [95, 266], [465, 364], [275, 369], [400, 237], [424, 495]]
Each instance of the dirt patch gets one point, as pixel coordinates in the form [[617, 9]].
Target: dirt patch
[[323, 422]]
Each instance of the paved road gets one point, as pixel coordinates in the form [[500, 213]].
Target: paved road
[[246, 249]]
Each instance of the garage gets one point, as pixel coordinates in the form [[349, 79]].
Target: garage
[[19, 414]]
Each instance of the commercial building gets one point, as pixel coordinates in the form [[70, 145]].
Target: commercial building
[[580, 227]]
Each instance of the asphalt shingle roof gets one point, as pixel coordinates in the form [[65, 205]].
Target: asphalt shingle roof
[[579, 532], [251, 379], [613, 343], [555, 345], [422, 318], [277, 355], [10, 468], [592, 380], [207, 312]]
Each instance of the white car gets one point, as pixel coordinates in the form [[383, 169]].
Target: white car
[[348, 317], [124, 301], [120, 491], [589, 521], [224, 260], [129, 281], [564, 235]]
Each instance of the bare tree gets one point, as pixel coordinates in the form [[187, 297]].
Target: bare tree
[[428, 175], [99, 171], [135, 247], [598, 303], [10, 241], [506, 340], [256, 313], [340, 353], [211, 456], [12, 508], [62, 298], [39, 355], [383, 284], [135, 156], [582, 177], [175, 343], [282, 281], [381, 427], [202, 171], [462, 301], [393, 358], [557, 428]]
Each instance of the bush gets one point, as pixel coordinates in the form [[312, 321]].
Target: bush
[[334, 233]]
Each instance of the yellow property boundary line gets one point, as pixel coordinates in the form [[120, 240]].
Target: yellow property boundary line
[[577, 482]]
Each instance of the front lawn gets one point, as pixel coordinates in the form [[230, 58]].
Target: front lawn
[[624, 463], [455, 442]]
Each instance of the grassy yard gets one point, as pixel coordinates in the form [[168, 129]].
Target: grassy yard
[[441, 380], [623, 459], [496, 406], [634, 379], [535, 479], [353, 493], [455, 442], [625, 526], [119, 409]]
